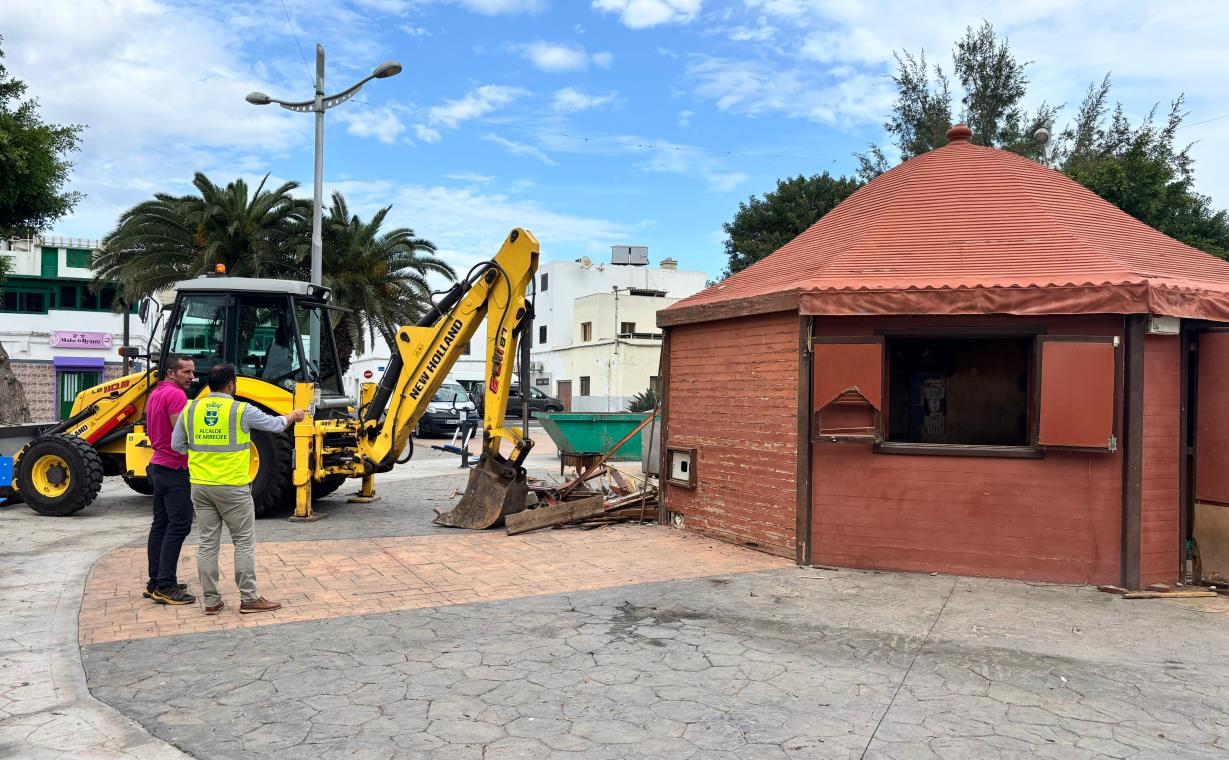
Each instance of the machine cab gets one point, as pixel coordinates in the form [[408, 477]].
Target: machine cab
[[276, 331]]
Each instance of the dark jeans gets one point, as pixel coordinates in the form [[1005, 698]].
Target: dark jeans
[[172, 522]]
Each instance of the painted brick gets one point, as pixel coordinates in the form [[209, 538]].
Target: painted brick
[[733, 395]]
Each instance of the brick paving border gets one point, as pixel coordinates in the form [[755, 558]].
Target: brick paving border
[[319, 580]]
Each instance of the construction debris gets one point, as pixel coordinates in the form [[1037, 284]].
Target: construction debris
[[599, 497]]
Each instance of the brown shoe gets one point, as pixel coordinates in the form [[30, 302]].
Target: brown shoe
[[259, 604], [215, 609]]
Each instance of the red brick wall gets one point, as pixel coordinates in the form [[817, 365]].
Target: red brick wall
[[1055, 519], [733, 395], [1158, 560]]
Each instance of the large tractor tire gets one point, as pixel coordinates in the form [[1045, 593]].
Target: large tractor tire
[[140, 485], [322, 488], [271, 471], [59, 475]]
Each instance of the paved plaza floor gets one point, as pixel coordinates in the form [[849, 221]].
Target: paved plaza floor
[[400, 639]]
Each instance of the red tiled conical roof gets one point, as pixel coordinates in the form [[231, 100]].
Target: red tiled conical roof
[[966, 229]]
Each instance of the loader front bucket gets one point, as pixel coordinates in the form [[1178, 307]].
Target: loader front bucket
[[496, 489]]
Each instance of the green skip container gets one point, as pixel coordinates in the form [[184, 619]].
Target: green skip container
[[593, 432]]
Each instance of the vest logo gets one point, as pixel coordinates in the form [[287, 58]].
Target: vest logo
[[211, 417]]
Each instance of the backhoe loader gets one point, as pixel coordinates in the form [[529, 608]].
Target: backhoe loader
[[278, 335]]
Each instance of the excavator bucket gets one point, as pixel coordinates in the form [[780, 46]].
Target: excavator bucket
[[496, 489]]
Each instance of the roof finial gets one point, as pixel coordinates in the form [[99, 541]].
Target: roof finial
[[959, 134]]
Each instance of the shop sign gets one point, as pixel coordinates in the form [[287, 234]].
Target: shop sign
[[69, 339]]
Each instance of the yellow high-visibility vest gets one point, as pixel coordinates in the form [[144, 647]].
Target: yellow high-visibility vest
[[217, 444]]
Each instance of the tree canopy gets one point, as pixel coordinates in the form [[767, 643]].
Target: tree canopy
[[34, 167], [380, 275], [762, 225], [1140, 167], [159, 242]]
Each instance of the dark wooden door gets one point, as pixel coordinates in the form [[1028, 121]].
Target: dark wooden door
[[565, 394]]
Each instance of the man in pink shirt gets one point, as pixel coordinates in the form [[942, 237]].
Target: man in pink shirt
[[168, 474]]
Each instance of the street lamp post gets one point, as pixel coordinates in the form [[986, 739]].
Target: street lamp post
[[318, 105]]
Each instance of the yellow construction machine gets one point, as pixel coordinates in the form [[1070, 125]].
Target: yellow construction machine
[[278, 335]]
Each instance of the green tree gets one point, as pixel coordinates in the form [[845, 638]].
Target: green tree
[[644, 401], [381, 276], [33, 162], [261, 233], [1138, 168], [33, 172], [762, 225]]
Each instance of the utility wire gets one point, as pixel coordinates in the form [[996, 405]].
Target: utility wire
[[599, 140], [297, 44], [1205, 121]]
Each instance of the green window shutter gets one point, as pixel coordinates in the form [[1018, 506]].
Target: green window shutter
[[51, 262], [81, 259]]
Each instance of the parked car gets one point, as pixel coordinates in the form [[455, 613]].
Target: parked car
[[443, 414], [538, 401]]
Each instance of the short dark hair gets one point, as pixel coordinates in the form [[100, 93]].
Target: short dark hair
[[175, 361], [221, 376]]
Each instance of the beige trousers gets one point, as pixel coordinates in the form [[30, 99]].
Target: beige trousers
[[231, 506]]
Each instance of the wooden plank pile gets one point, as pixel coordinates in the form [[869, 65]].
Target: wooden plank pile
[[604, 496]]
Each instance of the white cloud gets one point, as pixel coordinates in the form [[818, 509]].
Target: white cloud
[[760, 88], [502, 7], [472, 177], [380, 123], [1155, 53], [160, 90], [520, 149], [640, 14], [685, 118], [477, 103], [469, 224], [655, 156], [415, 31], [572, 100], [426, 134], [556, 58]]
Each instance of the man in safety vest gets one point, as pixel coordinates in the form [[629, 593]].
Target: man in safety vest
[[216, 432]]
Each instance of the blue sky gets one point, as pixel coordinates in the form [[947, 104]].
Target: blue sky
[[591, 122]]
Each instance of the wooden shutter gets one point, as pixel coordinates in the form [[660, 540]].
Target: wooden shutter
[[1077, 392], [847, 389], [1212, 419]]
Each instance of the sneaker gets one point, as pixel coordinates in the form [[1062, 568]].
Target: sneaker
[[148, 593], [215, 609], [259, 605], [173, 595]]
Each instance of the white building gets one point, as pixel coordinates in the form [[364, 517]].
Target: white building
[[60, 336], [598, 368]]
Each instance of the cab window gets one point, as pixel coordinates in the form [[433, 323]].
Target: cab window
[[200, 333], [267, 345], [321, 365]]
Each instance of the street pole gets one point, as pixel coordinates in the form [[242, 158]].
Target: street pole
[[318, 105], [317, 206]]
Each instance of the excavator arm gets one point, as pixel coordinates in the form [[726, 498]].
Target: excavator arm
[[497, 291]]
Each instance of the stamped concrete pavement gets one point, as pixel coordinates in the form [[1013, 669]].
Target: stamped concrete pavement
[[779, 663]]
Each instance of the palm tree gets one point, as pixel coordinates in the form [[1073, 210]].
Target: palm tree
[[381, 277], [171, 238]]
